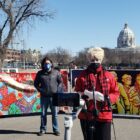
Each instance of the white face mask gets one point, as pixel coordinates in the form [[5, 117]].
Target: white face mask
[[29, 99]]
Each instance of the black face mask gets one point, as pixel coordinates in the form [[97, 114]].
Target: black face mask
[[93, 67]]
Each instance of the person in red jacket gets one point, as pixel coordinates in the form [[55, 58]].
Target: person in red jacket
[[99, 89]]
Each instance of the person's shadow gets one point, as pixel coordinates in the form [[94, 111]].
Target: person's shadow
[[19, 132], [16, 132]]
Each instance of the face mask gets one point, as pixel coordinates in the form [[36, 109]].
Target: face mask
[[47, 67], [93, 67]]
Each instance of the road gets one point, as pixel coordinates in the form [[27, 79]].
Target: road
[[26, 128]]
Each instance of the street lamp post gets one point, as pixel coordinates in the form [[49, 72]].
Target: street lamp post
[[41, 49]]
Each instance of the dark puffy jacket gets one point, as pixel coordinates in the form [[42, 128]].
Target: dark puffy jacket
[[48, 83]]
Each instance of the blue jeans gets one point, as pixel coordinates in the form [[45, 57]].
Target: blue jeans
[[46, 102]]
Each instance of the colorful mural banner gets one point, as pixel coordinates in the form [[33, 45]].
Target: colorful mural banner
[[19, 96], [129, 87]]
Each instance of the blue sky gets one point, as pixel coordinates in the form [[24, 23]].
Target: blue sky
[[83, 23]]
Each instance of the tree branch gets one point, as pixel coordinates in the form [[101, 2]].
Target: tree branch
[[18, 11]]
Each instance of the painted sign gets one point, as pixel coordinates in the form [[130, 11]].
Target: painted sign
[[129, 87], [18, 95]]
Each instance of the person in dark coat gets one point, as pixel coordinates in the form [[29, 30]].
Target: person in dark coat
[[48, 81]]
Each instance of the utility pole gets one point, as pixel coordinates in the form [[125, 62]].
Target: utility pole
[[13, 53], [23, 46]]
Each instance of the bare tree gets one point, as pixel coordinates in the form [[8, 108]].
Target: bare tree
[[81, 58], [15, 13], [60, 55]]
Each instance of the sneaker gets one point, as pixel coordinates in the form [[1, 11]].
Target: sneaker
[[61, 112], [57, 133], [41, 133]]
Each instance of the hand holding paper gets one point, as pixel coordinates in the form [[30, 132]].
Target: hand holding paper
[[98, 95]]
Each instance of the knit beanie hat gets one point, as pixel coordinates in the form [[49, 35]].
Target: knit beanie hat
[[95, 52]]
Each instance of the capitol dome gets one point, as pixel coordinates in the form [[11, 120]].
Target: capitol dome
[[126, 38]]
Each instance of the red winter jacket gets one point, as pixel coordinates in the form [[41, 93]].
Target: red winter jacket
[[105, 115]]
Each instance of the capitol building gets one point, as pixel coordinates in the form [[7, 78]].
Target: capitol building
[[127, 53], [126, 40]]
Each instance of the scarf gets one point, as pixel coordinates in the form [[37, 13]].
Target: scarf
[[100, 82]]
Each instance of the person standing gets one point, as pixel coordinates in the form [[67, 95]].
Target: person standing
[[48, 81], [96, 117]]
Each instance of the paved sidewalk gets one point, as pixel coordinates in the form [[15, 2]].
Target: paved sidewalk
[[26, 128]]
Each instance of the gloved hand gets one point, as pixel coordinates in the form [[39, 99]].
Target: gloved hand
[[98, 95]]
